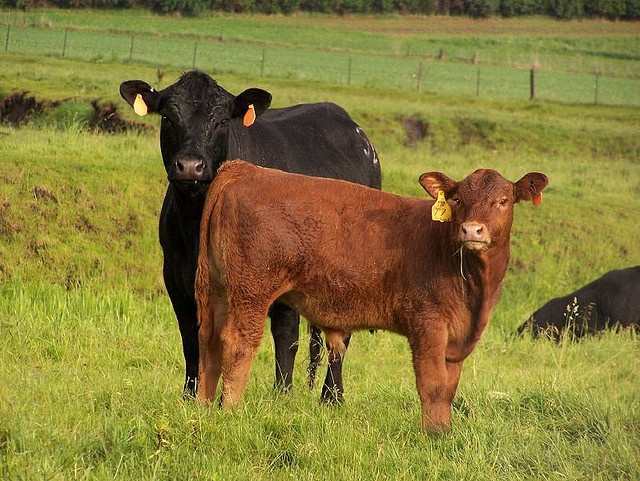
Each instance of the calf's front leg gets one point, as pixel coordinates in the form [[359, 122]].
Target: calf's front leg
[[432, 382]]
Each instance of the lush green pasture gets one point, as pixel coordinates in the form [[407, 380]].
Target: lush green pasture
[[90, 384], [401, 54]]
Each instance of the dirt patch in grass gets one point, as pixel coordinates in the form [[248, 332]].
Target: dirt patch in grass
[[20, 108], [415, 129]]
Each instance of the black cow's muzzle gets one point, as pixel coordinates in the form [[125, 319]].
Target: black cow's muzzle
[[192, 170]]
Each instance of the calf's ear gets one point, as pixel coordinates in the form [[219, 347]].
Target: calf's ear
[[433, 182], [140, 95], [530, 187], [260, 99]]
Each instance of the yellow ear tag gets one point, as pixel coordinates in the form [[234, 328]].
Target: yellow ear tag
[[249, 116], [139, 106], [441, 211]]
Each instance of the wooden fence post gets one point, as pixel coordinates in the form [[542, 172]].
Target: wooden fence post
[[131, 49], [419, 86], [349, 73], [195, 54], [532, 83], [262, 62], [64, 43], [478, 83], [597, 73], [6, 42]]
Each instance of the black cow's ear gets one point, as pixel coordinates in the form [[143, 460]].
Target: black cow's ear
[[530, 187], [434, 182], [260, 99], [140, 95]]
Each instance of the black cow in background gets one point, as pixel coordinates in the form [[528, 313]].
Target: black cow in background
[[613, 301], [202, 126]]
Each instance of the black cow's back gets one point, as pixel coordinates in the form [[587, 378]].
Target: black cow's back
[[611, 300], [289, 139]]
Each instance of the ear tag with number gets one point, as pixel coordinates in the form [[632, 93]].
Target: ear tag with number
[[441, 211], [139, 106], [249, 116]]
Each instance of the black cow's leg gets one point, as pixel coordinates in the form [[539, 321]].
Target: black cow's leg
[[332, 389], [187, 322], [315, 354], [285, 327]]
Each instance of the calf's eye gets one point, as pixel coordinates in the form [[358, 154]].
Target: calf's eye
[[504, 201]]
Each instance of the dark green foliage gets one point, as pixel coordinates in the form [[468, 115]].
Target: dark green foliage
[[515, 8], [186, 7], [561, 9], [612, 9]]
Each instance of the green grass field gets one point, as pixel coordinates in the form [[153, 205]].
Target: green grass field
[[92, 369], [402, 53]]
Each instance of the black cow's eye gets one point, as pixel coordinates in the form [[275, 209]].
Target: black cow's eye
[[504, 201], [455, 200]]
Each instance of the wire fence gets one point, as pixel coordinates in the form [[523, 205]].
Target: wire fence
[[421, 73]]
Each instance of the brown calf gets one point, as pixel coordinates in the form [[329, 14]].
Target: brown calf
[[349, 257]]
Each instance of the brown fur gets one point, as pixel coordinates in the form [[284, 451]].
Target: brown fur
[[348, 257]]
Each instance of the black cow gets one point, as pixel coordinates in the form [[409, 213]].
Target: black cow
[[202, 126], [613, 300]]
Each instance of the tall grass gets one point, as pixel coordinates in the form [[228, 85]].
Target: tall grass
[[90, 352]]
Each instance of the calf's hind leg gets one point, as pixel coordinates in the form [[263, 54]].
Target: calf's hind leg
[[210, 348], [239, 346]]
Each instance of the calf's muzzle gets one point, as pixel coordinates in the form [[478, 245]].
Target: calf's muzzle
[[474, 236]]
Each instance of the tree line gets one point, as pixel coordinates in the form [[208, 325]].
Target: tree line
[[561, 9]]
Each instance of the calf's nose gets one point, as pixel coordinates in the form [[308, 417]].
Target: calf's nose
[[190, 169], [474, 234]]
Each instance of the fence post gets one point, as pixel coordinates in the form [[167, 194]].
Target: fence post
[[478, 83], [131, 48], [532, 83], [195, 53], [6, 42], [262, 63], [64, 43], [419, 86], [349, 73], [597, 73]]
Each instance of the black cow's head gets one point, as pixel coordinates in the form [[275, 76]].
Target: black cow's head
[[196, 115]]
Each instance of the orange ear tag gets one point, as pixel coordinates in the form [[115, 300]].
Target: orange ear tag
[[249, 116], [139, 106], [441, 211], [537, 199]]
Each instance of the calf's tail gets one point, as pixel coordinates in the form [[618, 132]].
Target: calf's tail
[[228, 173]]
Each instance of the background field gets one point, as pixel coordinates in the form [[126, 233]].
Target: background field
[[90, 353], [490, 58]]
